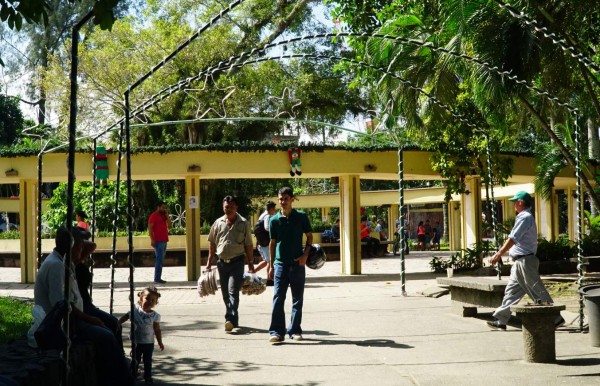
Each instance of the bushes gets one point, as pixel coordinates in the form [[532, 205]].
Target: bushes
[[559, 249], [470, 258]]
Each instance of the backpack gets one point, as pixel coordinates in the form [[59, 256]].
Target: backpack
[[262, 235]]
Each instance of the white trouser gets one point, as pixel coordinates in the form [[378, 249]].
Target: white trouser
[[524, 279]]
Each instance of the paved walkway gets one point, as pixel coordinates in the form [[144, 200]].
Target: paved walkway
[[358, 330]]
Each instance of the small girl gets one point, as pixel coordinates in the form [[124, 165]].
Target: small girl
[[147, 324]]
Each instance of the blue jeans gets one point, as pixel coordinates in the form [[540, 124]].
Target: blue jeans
[[160, 249], [231, 277], [293, 276], [145, 349], [110, 321], [111, 364]]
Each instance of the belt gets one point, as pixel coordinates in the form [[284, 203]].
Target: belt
[[233, 259], [517, 257]]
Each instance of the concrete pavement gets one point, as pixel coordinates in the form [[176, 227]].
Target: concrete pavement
[[358, 330]]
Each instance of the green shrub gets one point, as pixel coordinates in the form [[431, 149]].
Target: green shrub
[[15, 319], [559, 249], [465, 259], [10, 235]]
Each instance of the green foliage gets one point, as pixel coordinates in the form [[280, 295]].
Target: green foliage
[[10, 235], [559, 249], [82, 200], [11, 120], [15, 319], [465, 259]]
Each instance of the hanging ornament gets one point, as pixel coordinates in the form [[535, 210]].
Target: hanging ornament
[[101, 166], [295, 163]]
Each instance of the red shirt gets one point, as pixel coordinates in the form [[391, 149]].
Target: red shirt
[[160, 230], [365, 231]]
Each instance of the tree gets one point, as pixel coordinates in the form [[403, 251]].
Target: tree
[[11, 120], [494, 104]]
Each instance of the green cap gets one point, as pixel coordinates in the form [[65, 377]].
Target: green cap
[[523, 196]]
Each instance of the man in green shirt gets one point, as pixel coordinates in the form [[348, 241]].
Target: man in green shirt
[[288, 267]]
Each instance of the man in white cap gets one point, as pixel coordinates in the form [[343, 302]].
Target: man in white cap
[[521, 246]]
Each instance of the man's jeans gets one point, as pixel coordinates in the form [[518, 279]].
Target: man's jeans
[[293, 276], [160, 249], [231, 277]]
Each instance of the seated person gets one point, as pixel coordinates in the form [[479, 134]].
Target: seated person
[[365, 231], [111, 365], [436, 236], [335, 229], [84, 281], [380, 229]]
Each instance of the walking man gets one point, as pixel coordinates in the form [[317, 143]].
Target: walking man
[[288, 260], [159, 224], [231, 243], [263, 248], [521, 245]]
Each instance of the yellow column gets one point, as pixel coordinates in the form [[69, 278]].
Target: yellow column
[[350, 224], [471, 212], [192, 228], [454, 225], [28, 198], [572, 213], [391, 220], [545, 216]]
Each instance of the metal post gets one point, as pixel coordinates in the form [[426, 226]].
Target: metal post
[[39, 211], [497, 239], [402, 212], [579, 230], [113, 256]]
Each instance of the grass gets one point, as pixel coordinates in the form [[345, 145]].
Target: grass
[[15, 319]]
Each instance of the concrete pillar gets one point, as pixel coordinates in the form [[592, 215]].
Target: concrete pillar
[[454, 225], [572, 213], [192, 228], [350, 224], [28, 196], [393, 215], [471, 212], [545, 216], [325, 215]]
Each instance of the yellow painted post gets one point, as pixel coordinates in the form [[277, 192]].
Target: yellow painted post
[[454, 226], [471, 212], [350, 224], [193, 262], [391, 220], [28, 229], [545, 216]]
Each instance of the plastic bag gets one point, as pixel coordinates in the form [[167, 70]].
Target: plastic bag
[[253, 284], [49, 335], [207, 283]]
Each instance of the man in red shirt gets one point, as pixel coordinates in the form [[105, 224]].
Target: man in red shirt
[[158, 230]]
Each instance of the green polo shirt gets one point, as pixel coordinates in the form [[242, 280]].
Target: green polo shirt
[[288, 232]]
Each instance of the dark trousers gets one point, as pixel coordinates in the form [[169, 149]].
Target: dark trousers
[[109, 321], [144, 350], [231, 277]]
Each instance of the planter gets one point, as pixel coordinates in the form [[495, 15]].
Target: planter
[[450, 272]]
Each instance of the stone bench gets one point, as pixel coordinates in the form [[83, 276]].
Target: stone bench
[[469, 292], [538, 331]]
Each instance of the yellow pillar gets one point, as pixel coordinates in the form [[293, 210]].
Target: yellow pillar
[[393, 214], [350, 224], [471, 212], [192, 228], [454, 225], [545, 216], [572, 213], [28, 198]]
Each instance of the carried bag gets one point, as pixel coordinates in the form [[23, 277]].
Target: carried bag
[[50, 335]]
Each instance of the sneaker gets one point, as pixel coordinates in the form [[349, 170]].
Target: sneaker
[[275, 339], [228, 326], [496, 325], [561, 322], [296, 337], [161, 281]]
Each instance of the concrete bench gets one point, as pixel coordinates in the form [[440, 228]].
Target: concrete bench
[[586, 261], [469, 292]]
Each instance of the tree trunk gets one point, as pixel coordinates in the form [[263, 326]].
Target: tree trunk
[[593, 154], [446, 222]]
